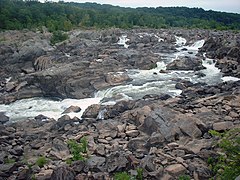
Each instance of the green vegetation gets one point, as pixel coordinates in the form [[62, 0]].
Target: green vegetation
[[78, 150], [20, 14], [41, 161], [139, 174], [122, 176], [126, 176], [184, 177], [57, 37], [226, 165], [9, 161]]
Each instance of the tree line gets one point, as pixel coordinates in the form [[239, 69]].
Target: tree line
[[20, 14]]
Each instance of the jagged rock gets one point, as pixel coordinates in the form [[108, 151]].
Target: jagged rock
[[6, 170], [176, 169], [116, 162], [70, 109], [96, 163], [3, 118], [222, 126], [92, 111], [186, 63], [60, 150], [63, 173]]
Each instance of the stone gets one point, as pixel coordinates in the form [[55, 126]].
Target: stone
[[3, 118], [60, 150], [132, 133], [186, 63], [222, 126], [78, 166], [96, 163], [176, 169], [116, 161], [6, 170], [71, 109], [92, 111], [63, 173]]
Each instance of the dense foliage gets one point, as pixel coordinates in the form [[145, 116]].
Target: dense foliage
[[19, 14]]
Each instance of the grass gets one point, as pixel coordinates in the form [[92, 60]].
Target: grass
[[9, 161], [126, 176], [41, 161]]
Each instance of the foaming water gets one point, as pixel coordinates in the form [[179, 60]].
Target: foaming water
[[122, 41], [155, 81], [29, 108]]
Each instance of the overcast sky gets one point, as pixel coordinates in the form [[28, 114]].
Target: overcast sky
[[217, 5]]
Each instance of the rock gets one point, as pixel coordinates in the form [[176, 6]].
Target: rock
[[6, 170], [44, 174], [63, 173], [156, 140], [189, 128], [176, 169], [116, 162], [92, 111], [186, 63], [24, 174], [70, 109], [96, 163], [132, 133], [78, 166], [138, 144], [116, 78], [222, 126], [3, 118], [60, 150]]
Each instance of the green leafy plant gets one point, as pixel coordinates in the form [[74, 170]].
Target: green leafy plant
[[226, 165], [41, 161], [78, 149], [122, 176], [184, 177], [139, 174], [57, 37]]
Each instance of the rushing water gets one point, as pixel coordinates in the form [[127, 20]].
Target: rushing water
[[144, 82]]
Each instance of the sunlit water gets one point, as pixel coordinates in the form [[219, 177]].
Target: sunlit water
[[144, 82]]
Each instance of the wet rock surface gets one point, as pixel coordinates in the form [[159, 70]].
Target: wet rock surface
[[164, 136]]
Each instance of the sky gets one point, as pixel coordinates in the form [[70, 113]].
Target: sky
[[217, 5]]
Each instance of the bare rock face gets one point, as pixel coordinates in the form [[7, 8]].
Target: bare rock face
[[186, 63]]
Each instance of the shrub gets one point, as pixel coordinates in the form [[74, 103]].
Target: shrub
[[57, 37], [78, 149], [226, 166]]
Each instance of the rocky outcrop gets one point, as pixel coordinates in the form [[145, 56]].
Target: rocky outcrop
[[186, 63], [166, 138]]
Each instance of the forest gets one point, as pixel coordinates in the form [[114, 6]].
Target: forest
[[32, 14]]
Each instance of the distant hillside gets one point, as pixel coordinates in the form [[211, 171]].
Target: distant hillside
[[19, 14]]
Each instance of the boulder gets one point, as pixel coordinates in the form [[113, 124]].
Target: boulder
[[63, 173], [70, 109], [92, 111], [3, 118], [186, 63]]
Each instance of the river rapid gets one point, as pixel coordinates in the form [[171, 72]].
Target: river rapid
[[143, 82]]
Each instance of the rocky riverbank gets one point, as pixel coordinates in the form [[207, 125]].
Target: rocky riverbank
[[164, 136]]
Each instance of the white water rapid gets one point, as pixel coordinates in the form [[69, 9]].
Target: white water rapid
[[144, 82]]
